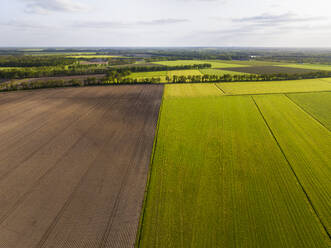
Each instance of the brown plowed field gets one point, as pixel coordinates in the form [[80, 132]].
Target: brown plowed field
[[74, 164], [64, 78]]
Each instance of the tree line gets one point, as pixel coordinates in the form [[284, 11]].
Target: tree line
[[74, 70], [34, 61], [121, 77]]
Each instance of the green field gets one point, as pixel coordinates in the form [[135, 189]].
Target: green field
[[149, 74], [92, 56], [10, 68], [308, 66], [220, 72], [193, 90], [316, 104], [249, 62], [214, 63], [219, 178], [247, 88], [306, 144], [184, 73]]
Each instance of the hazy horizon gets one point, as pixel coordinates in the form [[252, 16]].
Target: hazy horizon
[[181, 23]]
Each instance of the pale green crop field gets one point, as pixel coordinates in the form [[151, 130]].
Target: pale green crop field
[[219, 179], [193, 90], [184, 73], [316, 104], [306, 144], [221, 72], [309, 66], [248, 88], [249, 62], [149, 74], [10, 68], [214, 63], [92, 56]]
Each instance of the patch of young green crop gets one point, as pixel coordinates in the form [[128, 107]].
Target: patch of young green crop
[[59, 53], [266, 87], [306, 145], [192, 90], [220, 72], [11, 68], [147, 75], [309, 66], [249, 62], [184, 73], [219, 179], [316, 104], [92, 56]]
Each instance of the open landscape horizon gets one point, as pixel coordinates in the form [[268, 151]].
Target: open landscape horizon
[[165, 124]]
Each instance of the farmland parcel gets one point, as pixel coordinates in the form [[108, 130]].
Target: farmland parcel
[[73, 165], [220, 178]]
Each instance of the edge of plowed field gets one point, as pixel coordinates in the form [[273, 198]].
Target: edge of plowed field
[[143, 208]]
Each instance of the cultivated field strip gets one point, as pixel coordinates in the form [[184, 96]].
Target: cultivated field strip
[[43, 143], [220, 72], [317, 105], [217, 183], [192, 90], [179, 73], [307, 145], [31, 118], [82, 176], [23, 103], [272, 87], [270, 69], [214, 63]]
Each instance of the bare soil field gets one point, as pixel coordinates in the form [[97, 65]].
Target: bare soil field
[[74, 164], [270, 70], [64, 78]]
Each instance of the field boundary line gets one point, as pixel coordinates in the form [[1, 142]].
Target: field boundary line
[[293, 171], [306, 112], [220, 88], [143, 211]]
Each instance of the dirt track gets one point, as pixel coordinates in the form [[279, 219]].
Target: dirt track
[[74, 164]]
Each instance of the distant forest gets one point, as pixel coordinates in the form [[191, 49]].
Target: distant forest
[[156, 54]]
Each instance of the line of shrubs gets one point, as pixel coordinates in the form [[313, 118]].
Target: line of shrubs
[[115, 78], [73, 70]]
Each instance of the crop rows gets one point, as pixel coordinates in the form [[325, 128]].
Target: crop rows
[[220, 179]]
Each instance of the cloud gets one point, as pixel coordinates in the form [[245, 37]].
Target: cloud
[[162, 21], [113, 24], [270, 20], [23, 25], [46, 6], [258, 29]]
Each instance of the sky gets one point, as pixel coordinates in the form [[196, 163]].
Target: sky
[[170, 23]]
